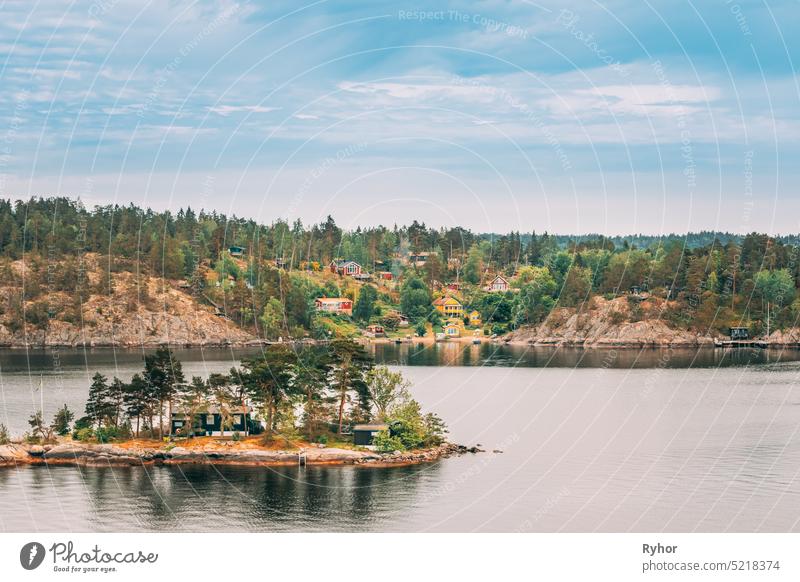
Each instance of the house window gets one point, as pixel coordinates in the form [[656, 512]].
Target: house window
[[237, 419], [178, 423], [209, 419]]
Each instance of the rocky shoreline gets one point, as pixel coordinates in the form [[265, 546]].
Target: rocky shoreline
[[99, 455]]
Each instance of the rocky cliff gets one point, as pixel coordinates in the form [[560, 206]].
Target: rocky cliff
[[143, 311], [622, 322]]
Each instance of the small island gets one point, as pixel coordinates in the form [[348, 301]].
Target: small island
[[309, 404]]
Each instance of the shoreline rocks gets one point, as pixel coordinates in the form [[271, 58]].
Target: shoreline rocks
[[114, 455]]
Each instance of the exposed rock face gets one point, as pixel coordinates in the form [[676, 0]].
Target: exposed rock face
[[786, 337], [608, 323], [168, 316]]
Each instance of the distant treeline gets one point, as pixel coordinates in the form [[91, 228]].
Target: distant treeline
[[716, 280]]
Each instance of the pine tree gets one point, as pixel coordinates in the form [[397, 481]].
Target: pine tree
[[97, 404]]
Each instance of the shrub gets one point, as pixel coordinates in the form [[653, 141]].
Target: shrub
[[410, 434], [106, 434], [83, 434], [237, 436], [435, 430], [4, 440], [386, 443], [499, 329], [31, 439], [322, 439]]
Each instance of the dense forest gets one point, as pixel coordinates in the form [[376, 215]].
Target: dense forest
[[708, 281]]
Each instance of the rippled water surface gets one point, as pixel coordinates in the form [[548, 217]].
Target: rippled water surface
[[607, 441]]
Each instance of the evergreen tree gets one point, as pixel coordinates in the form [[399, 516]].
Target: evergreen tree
[[98, 405], [365, 304], [348, 377], [62, 420]]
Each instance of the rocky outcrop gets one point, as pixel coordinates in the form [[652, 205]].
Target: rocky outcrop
[[610, 323], [787, 337], [114, 455], [169, 315]]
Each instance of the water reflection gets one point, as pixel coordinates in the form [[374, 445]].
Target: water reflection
[[207, 498]]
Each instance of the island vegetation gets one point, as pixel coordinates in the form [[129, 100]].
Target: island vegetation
[[290, 398], [70, 273]]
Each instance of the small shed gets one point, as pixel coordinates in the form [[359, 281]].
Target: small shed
[[452, 329], [374, 331], [364, 434], [740, 333], [236, 250], [209, 422]]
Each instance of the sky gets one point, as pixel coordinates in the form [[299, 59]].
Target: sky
[[572, 117]]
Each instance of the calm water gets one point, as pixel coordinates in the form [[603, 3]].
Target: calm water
[[592, 441]]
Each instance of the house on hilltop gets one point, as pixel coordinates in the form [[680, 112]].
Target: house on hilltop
[[341, 267]]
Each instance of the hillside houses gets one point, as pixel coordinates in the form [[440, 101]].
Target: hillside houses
[[343, 267], [449, 306], [497, 285], [340, 305]]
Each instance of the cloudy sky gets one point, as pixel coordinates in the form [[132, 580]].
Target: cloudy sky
[[573, 117]]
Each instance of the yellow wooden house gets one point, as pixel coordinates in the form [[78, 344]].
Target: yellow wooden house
[[475, 318], [449, 306]]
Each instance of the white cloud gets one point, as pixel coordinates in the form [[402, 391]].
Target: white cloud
[[226, 110]]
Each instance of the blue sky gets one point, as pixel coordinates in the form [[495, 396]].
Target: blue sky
[[572, 117]]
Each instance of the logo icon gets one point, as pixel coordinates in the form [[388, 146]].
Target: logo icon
[[31, 555]]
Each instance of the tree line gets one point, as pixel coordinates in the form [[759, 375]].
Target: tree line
[[314, 392], [713, 280]]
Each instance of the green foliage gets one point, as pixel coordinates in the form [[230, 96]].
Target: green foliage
[[365, 305], [435, 430], [415, 298], [4, 438], [386, 388], [83, 434], [62, 420], [106, 434], [39, 431], [272, 319], [535, 299], [384, 442], [775, 287], [473, 267]]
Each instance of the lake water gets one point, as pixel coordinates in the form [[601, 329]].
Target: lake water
[[625, 440]]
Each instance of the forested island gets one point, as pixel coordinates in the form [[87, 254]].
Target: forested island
[[314, 405], [129, 276]]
